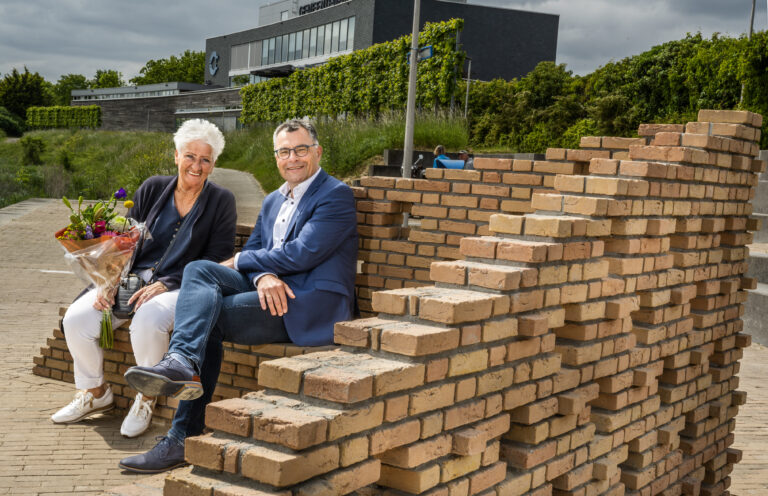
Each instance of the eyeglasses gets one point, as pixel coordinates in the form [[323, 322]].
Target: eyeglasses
[[299, 151]]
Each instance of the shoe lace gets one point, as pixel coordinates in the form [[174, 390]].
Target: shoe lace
[[81, 399], [141, 408], [163, 445]]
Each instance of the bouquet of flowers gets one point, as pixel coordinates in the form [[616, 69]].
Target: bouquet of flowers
[[100, 245]]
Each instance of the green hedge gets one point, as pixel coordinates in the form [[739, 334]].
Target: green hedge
[[64, 117], [365, 82]]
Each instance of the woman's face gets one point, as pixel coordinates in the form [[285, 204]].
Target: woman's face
[[195, 163]]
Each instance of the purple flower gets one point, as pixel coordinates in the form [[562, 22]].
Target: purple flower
[[88, 232], [120, 194]]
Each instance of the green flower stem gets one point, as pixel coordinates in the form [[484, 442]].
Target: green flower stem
[[107, 337]]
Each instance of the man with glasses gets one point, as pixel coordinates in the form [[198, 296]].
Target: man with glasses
[[293, 281]]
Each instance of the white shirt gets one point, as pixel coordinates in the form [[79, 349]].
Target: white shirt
[[291, 199]]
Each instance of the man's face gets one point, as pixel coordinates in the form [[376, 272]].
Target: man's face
[[294, 169]]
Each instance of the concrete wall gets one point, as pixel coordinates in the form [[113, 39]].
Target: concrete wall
[[158, 113]]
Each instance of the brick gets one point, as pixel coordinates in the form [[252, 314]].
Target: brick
[[418, 340], [343, 481], [339, 385], [413, 481], [418, 453], [394, 436], [284, 469], [523, 456]]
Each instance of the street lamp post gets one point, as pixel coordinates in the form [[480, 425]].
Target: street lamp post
[[410, 109]]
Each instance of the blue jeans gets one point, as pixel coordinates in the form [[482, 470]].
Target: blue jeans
[[215, 304]]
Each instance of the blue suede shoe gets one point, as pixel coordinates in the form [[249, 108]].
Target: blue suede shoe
[[166, 455], [170, 377]]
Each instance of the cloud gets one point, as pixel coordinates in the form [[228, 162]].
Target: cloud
[[594, 32], [56, 37]]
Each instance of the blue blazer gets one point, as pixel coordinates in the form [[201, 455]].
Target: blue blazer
[[318, 259]]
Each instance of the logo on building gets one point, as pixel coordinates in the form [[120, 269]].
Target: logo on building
[[313, 6], [213, 64]]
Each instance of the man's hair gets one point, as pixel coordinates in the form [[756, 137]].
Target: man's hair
[[292, 125], [199, 130]]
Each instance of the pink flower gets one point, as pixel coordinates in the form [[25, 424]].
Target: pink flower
[[99, 227]]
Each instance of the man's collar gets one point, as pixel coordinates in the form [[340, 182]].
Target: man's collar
[[299, 189]]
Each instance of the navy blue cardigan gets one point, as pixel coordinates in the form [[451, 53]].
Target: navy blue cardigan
[[213, 225]]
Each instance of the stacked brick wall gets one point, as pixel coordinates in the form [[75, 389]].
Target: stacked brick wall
[[590, 347], [446, 206]]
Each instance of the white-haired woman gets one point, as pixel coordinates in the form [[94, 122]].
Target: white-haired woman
[[190, 218]]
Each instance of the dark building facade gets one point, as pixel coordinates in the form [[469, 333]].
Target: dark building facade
[[502, 43]]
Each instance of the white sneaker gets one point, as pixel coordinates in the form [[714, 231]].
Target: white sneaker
[[138, 418], [84, 405]]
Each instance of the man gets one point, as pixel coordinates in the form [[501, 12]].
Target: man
[[469, 162], [292, 282]]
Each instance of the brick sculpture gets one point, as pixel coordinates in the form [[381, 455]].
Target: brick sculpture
[[569, 326]]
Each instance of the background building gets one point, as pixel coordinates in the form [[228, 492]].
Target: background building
[[502, 43]]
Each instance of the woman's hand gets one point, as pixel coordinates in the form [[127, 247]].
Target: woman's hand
[[104, 302], [147, 293]]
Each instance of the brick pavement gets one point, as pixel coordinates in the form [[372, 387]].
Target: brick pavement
[[36, 456]]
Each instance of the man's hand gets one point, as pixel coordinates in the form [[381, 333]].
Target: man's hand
[[230, 262], [272, 294], [147, 293]]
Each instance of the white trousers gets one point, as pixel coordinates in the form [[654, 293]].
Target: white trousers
[[150, 331]]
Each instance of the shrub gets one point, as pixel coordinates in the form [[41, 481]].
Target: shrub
[[64, 117], [363, 83], [10, 125], [32, 150]]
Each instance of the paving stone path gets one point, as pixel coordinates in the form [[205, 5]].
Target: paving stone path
[[36, 456]]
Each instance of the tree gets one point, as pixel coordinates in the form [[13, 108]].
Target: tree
[[107, 78], [188, 67], [18, 91], [65, 85]]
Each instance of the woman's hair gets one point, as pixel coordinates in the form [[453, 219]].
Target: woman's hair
[[439, 150], [199, 130], [292, 125]]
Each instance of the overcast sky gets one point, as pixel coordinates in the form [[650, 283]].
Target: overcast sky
[[55, 37]]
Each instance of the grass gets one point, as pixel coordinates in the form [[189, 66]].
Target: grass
[[94, 164]]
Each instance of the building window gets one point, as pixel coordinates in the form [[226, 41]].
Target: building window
[[327, 48], [265, 52], [297, 48], [343, 35], [272, 48], [312, 42], [284, 15], [239, 57], [335, 38], [305, 44], [278, 49], [351, 34], [284, 55], [320, 40], [291, 46], [254, 59]]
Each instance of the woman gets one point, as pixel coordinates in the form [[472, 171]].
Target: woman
[[189, 218], [439, 154]]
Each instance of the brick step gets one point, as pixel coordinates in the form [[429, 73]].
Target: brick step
[[549, 226], [340, 376], [440, 305], [196, 480]]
